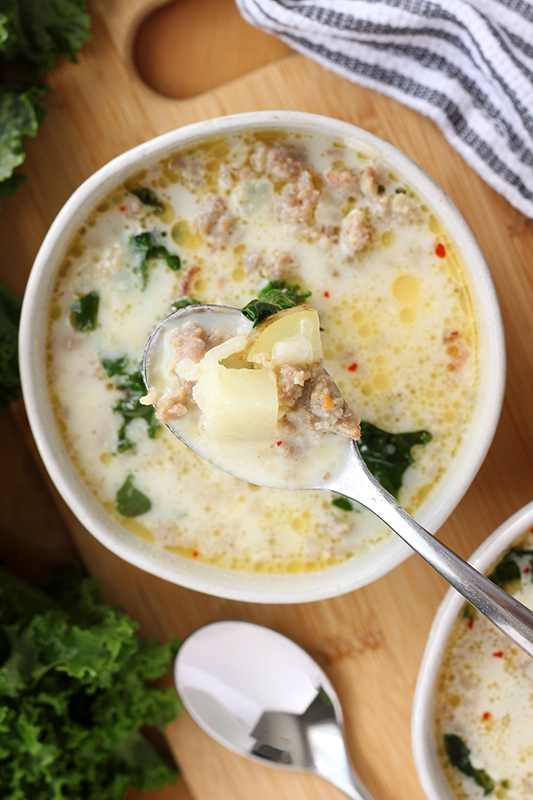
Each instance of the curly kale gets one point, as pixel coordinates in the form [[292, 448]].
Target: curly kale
[[75, 691], [32, 34]]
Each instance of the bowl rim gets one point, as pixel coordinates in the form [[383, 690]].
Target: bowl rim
[[257, 587], [423, 742]]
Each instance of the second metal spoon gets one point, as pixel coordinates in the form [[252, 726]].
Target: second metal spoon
[[262, 696]]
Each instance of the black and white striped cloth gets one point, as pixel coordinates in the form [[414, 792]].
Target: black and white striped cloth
[[466, 64]]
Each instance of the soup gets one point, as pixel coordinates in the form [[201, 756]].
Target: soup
[[222, 223], [484, 697]]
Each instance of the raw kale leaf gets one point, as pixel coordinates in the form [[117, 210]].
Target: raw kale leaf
[[84, 311], [131, 502], [10, 388], [148, 245], [21, 114], [273, 297], [148, 197], [36, 31], [75, 693], [459, 754], [32, 34], [387, 455], [133, 388]]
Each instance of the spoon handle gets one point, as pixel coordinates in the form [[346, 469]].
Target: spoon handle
[[513, 618]]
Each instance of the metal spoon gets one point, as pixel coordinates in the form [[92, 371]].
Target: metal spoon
[[262, 696], [350, 477]]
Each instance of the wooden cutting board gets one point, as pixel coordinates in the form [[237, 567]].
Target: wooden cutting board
[[370, 642]]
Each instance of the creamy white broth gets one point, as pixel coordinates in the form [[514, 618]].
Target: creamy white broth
[[399, 340], [484, 695]]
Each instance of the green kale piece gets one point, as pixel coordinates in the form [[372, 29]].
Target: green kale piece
[[185, 302], [21, 114], [148, 245], [508, 570], [343, 503], [75, 693], [32, 34], [131, 502], [84, 311], [387, 455], [149, 198], [459, 754], [469, 612], [37, 31], [10, 388], [129, 406], [274, 297]]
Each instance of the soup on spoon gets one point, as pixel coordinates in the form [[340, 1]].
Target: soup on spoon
[[236, 395], [255, 402]]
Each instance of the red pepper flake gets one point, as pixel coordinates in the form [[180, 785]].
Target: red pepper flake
[[440, 250], [122, 208], [279, 443], [326, 294], [498, 654], [195, 554], [470, 623], [353, 366], [486, 715], [526, 570]]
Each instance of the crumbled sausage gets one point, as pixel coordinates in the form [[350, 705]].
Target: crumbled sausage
[[370, 182], [258, 157], [191, 169], [344, 182], [298, 201], [189, 343], [280, 267], [404, 208], [355, 233], [173, 404], [213, 219], [291, 379], [284, 162], [321, 408], [277, 269]]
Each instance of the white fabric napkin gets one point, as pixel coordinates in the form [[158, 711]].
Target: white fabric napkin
[[466, 64]]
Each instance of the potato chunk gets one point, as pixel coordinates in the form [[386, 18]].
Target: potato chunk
[[291, 336], [237, 404]]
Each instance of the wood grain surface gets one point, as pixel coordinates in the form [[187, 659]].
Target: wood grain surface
[[370, 641]]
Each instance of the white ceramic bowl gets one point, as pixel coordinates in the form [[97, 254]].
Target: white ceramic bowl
[[214, 580], [424, 744]]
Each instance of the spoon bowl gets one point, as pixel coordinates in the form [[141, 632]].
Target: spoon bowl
[[262, 696], [338, 468]]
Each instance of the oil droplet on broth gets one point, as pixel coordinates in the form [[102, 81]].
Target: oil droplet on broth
[[381, 381], [388, 238], [406, 289], [407, 315], [184, 236]]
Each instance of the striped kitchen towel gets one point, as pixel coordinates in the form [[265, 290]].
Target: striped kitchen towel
[[466, 64]]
